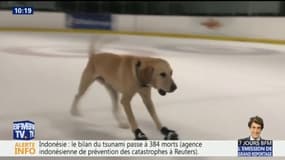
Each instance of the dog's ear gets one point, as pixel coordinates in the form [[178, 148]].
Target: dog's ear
[[146, 75]]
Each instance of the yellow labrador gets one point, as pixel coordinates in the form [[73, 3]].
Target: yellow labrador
[[128, 75]]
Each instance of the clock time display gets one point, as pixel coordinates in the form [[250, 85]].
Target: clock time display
[[22, 10]]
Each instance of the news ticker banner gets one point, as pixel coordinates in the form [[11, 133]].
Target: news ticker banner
[[149, 148]]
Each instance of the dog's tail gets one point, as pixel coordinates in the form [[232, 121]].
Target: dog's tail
[[97, 43], [92, 49]]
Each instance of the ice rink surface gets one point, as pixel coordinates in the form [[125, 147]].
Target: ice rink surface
[[220, 85]]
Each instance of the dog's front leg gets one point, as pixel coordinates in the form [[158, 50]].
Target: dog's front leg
[[125, 101], [145, 93]]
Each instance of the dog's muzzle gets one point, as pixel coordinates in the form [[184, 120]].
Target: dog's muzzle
[[161, 92], [173, 87]]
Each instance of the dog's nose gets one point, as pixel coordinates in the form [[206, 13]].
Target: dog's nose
[[173, 87]]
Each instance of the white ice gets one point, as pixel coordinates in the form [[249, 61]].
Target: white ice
[[220, 85]]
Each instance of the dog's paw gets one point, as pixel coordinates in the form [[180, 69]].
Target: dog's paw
[[139, 135], [169, 134], [75, 112], [123, 125]]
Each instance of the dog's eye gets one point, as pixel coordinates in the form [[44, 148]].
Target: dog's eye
[[163, 74]]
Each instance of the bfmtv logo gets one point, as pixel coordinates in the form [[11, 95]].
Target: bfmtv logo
[[23, 130]]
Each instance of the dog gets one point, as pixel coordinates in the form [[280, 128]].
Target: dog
[[128, 75]]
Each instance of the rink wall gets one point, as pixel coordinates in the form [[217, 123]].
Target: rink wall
[[245, 27], [256, 29]]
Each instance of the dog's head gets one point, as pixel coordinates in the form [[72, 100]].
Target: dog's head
[[156, 73]]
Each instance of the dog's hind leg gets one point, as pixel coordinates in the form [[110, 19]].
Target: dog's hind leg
[[117, 112], [86, 80]]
